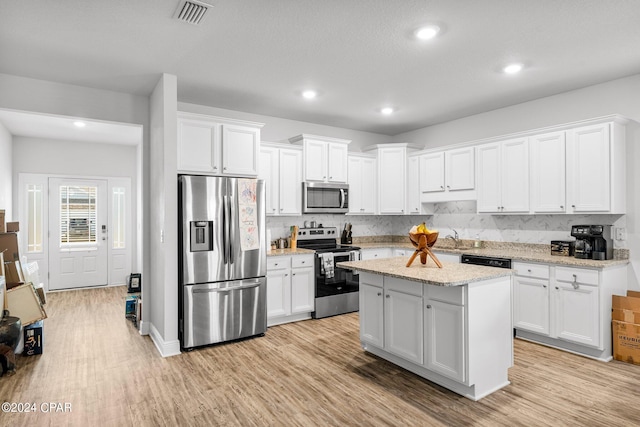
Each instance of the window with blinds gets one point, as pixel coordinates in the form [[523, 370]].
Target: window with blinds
[[78, 214]]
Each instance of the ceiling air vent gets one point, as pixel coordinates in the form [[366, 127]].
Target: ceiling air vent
[[191, 11]]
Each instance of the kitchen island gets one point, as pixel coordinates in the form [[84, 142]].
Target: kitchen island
[[451, 326]]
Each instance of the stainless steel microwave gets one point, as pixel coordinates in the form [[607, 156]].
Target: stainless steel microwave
[[322, 197]]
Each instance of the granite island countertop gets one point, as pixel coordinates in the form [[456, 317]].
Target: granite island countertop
[[289, 251], [514, 251], [451, 274]]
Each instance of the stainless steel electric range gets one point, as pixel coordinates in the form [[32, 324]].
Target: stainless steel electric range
[[336, 289]]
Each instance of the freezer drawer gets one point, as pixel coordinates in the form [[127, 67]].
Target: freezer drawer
[[223, 311]]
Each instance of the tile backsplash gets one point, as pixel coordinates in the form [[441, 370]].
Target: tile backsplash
[[462, 217]]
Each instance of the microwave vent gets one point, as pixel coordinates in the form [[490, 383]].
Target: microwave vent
[[191, 11]]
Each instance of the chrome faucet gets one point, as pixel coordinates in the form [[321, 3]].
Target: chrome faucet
[[455, 238]]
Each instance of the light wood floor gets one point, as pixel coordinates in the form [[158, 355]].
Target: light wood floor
[[310, 373]]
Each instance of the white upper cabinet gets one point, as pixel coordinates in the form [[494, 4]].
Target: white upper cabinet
[[448, 175], [325, 159], [281, 169], [432, 172], [217, 146], [362, 184], [413, 185], [503, 177], [460, 169], [547, 153], [392, 177], [268, 170], [596, 169]]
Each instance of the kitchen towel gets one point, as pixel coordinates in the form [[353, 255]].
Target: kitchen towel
[[326, 267]]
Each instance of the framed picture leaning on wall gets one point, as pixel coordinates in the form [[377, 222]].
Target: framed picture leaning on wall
[[135, 283]]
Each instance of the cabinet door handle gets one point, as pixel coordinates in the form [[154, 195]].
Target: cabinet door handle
[[442, 187], [561, 206], [224, 168], [448, 186], [286, 274], [324, 177], [544, 286], [388, 296], [529, 270], [557, 288], [575, 282], [379, 293], [573, 206], [330, 177], [428, 305], [215, 168], [293, 274]]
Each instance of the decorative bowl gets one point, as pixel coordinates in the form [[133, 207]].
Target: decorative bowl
[[431, 238]]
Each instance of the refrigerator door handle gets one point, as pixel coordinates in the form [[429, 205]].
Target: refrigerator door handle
[[229, 206], [232, 288], [225, 231]]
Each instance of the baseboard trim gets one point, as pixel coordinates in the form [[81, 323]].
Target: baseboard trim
[[144, 328], [166, 349]]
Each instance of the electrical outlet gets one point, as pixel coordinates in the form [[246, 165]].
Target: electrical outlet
[[620, 233]]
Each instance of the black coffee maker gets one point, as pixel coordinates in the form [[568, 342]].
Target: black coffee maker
[[593, 241]]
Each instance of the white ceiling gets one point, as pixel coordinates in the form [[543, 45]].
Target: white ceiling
[[256, 56]]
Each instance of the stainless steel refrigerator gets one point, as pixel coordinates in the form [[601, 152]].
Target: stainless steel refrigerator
[[222, 265]]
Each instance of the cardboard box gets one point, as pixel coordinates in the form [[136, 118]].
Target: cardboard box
[[625, 324], [2, 226], [626, 342], [33, 339], [13, 274], [9, 244], [13, 227]]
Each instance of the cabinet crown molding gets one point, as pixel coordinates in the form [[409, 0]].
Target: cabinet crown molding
[[392, 145], [216, 119], [299, 138]]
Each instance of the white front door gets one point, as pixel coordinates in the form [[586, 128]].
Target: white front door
[[78, 241]]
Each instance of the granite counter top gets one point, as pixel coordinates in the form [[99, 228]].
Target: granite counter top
[[451, 274], [289, 251], [513, 251]]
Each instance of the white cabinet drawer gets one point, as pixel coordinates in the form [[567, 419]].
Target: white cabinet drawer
[[450, 294], [371, 279], [404, 286], [531, 270], [300, 261], [278, 263], [587, 277]]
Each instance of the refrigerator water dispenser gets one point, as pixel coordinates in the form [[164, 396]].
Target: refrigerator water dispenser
[[201, 238]]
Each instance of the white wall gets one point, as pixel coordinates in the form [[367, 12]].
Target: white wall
[[277, 129], [6, 199], [621, 96], [47, 156], [163, 289]]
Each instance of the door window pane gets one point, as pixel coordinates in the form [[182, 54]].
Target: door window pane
[[119, 223], [34, 219], [78, 214]]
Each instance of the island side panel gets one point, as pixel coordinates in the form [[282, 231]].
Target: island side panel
[[490, 334]]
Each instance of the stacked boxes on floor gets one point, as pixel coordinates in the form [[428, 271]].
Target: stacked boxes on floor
[[23, 298], [626, 327]]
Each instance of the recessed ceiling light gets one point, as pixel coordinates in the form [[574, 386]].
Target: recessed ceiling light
[[79, 124], [309, 94], [427, 32], [512, 68], [387, 110]]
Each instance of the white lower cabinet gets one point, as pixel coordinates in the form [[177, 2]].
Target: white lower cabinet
[[577, 313], [444, 344], [371, 312], [290, 288], [531, 297], [567, 307], [457, 336], [403, 330]]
